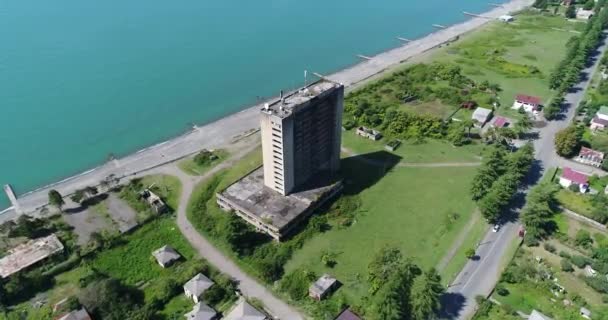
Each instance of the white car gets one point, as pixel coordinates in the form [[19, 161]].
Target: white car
[[496, 228]]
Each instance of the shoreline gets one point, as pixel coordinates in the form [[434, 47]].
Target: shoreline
[[237, 125]]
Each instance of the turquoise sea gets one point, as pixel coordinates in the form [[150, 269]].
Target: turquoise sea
[[80, 79]]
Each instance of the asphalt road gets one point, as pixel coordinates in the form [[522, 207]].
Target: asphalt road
[[479, 277]]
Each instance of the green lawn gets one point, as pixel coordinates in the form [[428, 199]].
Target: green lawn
[[428, 151], [420, 210], [497, 313], [167, 187], [192, 168], [505, 53], [575, 201], [455, 265]]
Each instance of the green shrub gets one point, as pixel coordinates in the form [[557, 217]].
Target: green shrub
[[566, 265], [583, 239], [564, 254], [549, 247], [501, 290], [580, 261]]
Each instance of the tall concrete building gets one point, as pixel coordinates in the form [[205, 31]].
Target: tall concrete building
[[301, 135]]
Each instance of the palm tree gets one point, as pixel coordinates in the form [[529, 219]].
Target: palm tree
[[468, 124]]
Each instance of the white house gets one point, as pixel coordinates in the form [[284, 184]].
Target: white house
[[570, 177], [166, 256], [245, 311], [584, 14], [481, 116], [535, 315], [590, 157], [600, 121], [196, 286], [528, 103], [201, 311]]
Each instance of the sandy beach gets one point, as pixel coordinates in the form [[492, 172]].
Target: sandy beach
[[230, 128]]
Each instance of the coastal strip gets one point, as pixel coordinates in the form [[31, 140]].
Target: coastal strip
[[226, 130]]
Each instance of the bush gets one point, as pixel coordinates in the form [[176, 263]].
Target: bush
[[583, 239], [501, 290], [566, 265], [579, 261], [564, 254], [470, 253], [530, 240], [549, 247]]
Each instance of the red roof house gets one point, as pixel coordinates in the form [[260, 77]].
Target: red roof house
[[570, 177], [528, 103], [500, 122]]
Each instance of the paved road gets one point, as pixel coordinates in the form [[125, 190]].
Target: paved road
[[480, 277], [247, 285]]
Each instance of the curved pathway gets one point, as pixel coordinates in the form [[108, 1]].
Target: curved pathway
[[248, 285]]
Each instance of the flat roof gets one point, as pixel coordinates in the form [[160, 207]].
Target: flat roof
[[324, 283], [298, 97], [273, 208], [29, 253]]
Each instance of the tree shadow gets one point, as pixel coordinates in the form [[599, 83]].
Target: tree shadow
[[89, 202], [451, 305]]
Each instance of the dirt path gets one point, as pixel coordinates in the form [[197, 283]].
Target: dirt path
[[248, 285], [458, 241]]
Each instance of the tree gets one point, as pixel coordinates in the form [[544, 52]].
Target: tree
[[539, 210], [566, 265], [77, 196], [108, 299], [55, 199], [522, 126], [470, 253], [589, 5], [571, 12], [426, 294], [491, 168], [567, 141], [382, 265]]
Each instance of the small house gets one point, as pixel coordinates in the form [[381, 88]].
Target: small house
[[195, 287], [28, 254], [245, 311], [166, 256], [347, 314], [585, 313], [571, 177], [600, 121], [201, 311], [535, 315], [506, 18], [322, 287], [583, 14], [81, 314], [500, 122], [590, 157], [527, 103], [481, 116], [369, 133]]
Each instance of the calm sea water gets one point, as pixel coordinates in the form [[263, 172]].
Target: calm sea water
[[80, 79]]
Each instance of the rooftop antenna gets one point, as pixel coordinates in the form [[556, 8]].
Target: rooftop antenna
[[282, 99], [305, 74]]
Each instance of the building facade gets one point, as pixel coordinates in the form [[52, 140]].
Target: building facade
[[301, 135]]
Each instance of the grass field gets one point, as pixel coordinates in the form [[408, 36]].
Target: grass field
[[192, 168], [428, 151], [420, 210], [576, 202], [167, 187], [518, 56]]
